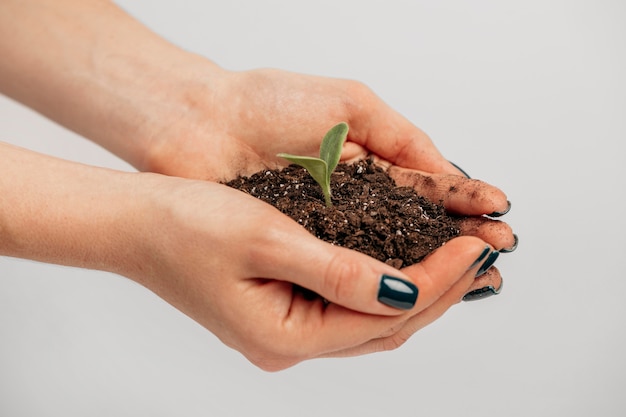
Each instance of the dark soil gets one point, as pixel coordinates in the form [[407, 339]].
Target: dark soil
[[370, 213]]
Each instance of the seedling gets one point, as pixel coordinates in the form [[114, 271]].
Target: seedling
[[321, 168]]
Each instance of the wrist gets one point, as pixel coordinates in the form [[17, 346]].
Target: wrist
[[178, 115], [94, 69], [144, 97], [154, 114], [71, 214]]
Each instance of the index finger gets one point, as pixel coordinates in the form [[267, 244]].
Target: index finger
[[385, 132], [337, 327]]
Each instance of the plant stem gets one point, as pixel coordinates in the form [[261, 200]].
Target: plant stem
[[327, 196]]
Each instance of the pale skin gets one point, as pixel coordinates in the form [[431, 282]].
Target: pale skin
[[223, 258]]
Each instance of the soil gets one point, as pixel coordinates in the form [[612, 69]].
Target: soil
[[370, 213]]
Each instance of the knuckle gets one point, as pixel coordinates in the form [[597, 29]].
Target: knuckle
[[358, 88], [341, 278], [356, 96], [483, 195], [394, 341], [392, 330]]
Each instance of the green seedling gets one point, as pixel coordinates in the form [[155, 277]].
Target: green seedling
[[321, 168]]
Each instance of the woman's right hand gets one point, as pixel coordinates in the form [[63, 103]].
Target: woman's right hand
[[228, 260], [235, 265]]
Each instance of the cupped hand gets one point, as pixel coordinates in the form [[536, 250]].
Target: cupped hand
[[236, 265], [240, 121]]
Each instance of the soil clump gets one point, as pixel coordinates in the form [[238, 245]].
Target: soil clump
[[370, 213]]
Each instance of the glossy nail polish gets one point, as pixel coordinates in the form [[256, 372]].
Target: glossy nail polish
[[397, 293], [512, 248], [501, 213], [488, 263], [460, 169], [481, 293], [482, 256]]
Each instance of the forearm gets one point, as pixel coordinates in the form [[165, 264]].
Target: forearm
[[92, 68], [71, 214]]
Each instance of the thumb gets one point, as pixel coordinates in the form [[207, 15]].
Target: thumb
[[359, 282], [388, 134]]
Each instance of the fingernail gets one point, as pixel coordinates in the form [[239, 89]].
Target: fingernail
[[488, 263], [512, 248], [397, 293], [501, 213], [484, 292], [484, 253], [460, 169], [481, 293]]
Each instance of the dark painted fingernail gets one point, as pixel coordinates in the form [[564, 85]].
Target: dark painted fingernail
[[481, 293], [512, 248], [482, 256], [488, 263], [501, 213], [460, 169], [397, 293]]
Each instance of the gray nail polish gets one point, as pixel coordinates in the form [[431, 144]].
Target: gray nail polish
[[397, 293]]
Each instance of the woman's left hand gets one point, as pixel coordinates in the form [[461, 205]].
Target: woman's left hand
[[238, 122]]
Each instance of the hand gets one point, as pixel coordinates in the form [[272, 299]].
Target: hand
[[230, 262], [165, 110], [239, 126]]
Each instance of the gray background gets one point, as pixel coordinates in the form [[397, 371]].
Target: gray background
[[529, 96]]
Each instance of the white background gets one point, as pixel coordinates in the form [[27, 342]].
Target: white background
[[529, 96]]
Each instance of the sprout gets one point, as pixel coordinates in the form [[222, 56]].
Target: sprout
[[321, 168]]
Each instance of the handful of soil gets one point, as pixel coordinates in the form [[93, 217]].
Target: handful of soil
[[370, 213]]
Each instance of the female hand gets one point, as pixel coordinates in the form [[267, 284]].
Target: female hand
[[231, 262], [237, 266], [246, 118], [165, 110]]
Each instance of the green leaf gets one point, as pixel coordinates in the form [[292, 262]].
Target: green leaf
[[316, 167], [332, 145], [330, 152]]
